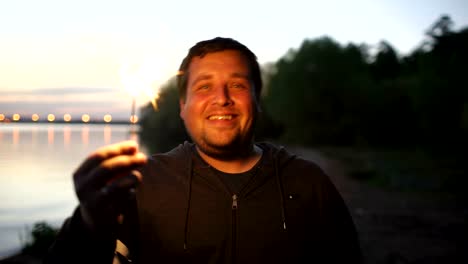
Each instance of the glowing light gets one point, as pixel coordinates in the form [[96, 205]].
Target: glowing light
[[66, 136], [16, 117], [2, 117], [107, 118], [140, 78], [134, 119], [35, 117], [16, 136], [67, 117], [154, 102], [50, 135], [85, 135], [107, 134], [51, 117], [143, 77], [85, 118]]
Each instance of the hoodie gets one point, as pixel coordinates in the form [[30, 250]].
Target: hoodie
[[287, 212]]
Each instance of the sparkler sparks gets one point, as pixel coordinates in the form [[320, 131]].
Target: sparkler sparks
[[143, 80]]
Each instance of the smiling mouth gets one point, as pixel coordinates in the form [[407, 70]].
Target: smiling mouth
[[220, 117]]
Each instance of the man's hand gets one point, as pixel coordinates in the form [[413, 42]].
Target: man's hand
[[104, 182]]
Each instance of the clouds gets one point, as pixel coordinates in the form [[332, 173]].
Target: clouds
[[73, 100]]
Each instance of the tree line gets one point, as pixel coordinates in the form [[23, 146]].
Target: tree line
[[326, 93]]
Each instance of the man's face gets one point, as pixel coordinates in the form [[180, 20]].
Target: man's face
[[219, 110]]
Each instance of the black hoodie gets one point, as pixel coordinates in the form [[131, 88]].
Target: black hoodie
[[288, 212]]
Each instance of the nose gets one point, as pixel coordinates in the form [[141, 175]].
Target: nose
[[222, 96]]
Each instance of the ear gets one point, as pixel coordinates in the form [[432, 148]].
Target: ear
[[182, 108]]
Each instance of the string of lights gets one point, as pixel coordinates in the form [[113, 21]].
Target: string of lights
[[66, 118]]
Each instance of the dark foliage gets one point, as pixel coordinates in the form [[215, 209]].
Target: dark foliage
[[162, 129], [42, 237], [325, 93]]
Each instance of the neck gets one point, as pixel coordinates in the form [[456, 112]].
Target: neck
[[234, 164]]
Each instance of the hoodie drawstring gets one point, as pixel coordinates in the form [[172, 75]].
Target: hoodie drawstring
[[278, 184], [189, 197], [281, 192]]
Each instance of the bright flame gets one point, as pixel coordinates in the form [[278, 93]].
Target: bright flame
[[35, 117], [16, 117], [133, 119], [154, 101], [143, 78], [85, 118], [51, 117], [2, 117]]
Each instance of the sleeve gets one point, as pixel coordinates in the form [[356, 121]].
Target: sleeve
[[339, 236], [75, 244]]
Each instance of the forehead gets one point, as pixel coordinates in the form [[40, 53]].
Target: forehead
[[221, 60]]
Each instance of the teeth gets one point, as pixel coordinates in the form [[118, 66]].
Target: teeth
[[220, 117]]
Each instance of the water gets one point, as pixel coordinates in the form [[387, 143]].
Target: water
[[36, 164]]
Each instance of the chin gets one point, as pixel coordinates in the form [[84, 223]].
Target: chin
[[224, 150]]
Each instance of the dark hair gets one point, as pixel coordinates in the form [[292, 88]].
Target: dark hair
[[213, 45]]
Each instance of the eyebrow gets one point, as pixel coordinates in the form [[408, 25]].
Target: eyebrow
[[207, 76], [240, 75], [202, 77]]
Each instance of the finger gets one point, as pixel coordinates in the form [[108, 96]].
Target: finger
[[110, 170], [123, 148], [106, 152], [119, 191], [138, 175], [107, 202]]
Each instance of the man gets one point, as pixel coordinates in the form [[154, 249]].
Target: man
[[223, 199]]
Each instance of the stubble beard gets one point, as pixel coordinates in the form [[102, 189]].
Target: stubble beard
[[239, 146]]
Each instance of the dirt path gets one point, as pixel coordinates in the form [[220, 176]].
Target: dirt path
[[400, 227]]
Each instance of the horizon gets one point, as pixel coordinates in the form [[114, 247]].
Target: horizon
[[96, 57]]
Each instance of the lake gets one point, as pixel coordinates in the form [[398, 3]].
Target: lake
[[36, 166]]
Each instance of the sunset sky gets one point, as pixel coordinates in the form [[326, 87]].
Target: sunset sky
[[92, 57]]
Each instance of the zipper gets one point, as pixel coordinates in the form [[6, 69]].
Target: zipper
[[234, 228], [234, 202]]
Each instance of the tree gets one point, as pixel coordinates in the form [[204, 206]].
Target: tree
[[42, 237], [443, 88], [386, 65], [318, 92], [327, 93], [442, 27], [162, 129]]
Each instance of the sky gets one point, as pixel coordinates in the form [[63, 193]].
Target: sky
[[94, 57]]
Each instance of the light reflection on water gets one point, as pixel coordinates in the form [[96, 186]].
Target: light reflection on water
[[36, 164]]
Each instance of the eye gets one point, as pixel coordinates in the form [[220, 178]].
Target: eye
[[203, 86], [237, 85]]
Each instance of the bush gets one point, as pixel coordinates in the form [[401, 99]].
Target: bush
[[41, 238]]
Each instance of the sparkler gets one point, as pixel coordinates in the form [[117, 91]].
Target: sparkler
[[133, 119], [143, 81]]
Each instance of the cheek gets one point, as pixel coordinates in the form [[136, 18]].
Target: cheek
[[198, 103], [248, 104], [191, 110]]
